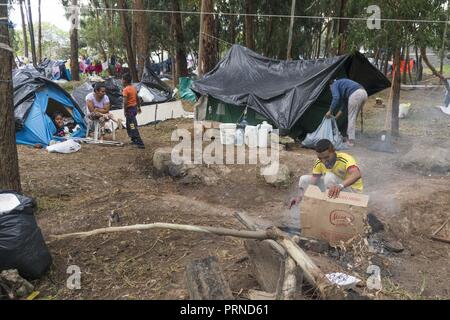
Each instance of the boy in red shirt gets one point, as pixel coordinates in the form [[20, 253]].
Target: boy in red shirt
[[131, 107]]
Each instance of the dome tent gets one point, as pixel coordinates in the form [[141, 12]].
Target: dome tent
[[36, 99]]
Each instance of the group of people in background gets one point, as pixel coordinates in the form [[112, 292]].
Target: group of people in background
[[110, 67]]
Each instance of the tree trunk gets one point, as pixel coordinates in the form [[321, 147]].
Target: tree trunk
[[110, 19], [142, 36], [74, 68], [444, 40], [319, 40], [208, 59], [408, 57], [180, 49], [31, 29], [233, 26], [131, 58], [328, 40], [419, 66], [97, 25], [200, 40], [396, 85], [291, 30], [9, 166], [24, 29], [343, 25], [386, 62], [39, 32], [249, 24], [404, 58], [268, 37]]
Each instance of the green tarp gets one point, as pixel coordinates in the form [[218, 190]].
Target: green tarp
[[185, 90]]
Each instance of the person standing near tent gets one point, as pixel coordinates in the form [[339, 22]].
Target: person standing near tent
[[98, 106], [335, 171], [131, 107], [347, 95]]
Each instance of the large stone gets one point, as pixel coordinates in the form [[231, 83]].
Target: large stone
[[162, 159], [281, 178]]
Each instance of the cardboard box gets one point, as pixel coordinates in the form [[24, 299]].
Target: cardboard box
[[333, 220]]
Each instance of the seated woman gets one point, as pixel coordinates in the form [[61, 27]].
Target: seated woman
[[98, 106]]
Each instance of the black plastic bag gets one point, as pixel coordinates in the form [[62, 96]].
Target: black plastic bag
[[22, 245]]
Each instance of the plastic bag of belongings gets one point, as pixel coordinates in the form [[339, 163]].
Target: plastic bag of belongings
[[328, 129], [22, 245]]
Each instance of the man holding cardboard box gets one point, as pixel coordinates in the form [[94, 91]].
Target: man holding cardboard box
[[335, 171]]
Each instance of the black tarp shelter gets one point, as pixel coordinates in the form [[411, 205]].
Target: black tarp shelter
[[292, 95]]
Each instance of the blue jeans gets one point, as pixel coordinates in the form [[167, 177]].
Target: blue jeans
[[132, 126]]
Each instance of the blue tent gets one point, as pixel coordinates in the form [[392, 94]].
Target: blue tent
[[36, 99]]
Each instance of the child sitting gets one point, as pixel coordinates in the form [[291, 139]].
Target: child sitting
[[59, 124], [63, 129]]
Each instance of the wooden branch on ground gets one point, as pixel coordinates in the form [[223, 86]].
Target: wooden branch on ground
[[435, 236], [260, 235]]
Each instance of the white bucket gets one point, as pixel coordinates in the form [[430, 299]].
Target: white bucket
[[227, 133], [263, 134], [251, 136], [404, 109]]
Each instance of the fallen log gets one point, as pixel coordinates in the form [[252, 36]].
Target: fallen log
[[261, 235], [311, 272], [288, 286], [267, 259], [205, 281]]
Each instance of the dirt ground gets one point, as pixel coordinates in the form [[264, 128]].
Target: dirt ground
[[76, 192]]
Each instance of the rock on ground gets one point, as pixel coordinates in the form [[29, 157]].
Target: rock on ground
[[162, 160], [280, 179]]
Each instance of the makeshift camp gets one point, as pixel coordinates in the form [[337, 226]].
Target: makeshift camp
[[161, 91], [151, 90], [36, 99], [292, 95], [54, 70]]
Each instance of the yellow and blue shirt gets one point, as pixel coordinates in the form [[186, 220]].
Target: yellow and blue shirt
[[344, 161]]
